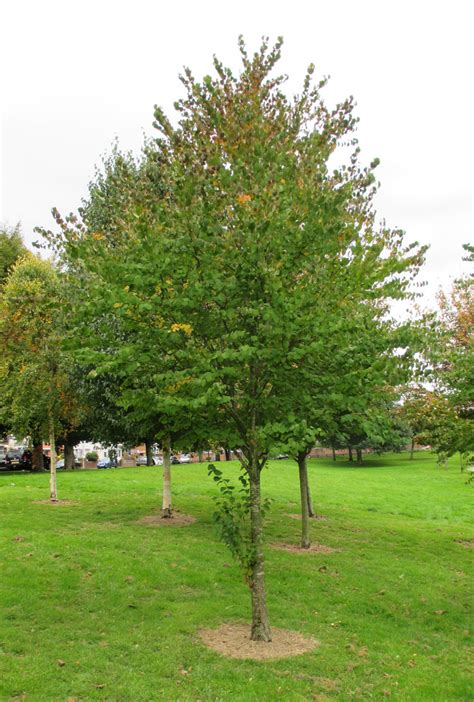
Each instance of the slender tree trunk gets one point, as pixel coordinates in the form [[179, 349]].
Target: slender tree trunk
[[166, 509], [412, 449], [227, 454], [53, 489], [333, 453], [304, 492], [37, 456], [351, 458], [260, 624], [200, 455], [311, 512], [359, 456], [149, 454], [68, 456]]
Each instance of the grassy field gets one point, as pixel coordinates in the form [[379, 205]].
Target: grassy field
[[97, 607]]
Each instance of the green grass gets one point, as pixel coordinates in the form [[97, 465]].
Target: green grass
[[121, 604]]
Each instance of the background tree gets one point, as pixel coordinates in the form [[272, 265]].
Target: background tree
[[33, 372], [11, 249]]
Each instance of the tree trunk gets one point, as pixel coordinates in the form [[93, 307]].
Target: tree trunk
[[350, 453], [304, 492], [37, 462], [149, 454], [260, 624], [333, 453], [200, 455], [311, 512], [412, 450], [359, 456], [53, 489], [68, 456], [166, 509], [227, 454]]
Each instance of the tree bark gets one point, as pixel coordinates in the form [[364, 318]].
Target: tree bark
[[149, 453], [68, 456], [333, 453], [350, 453], [304, 492], [260, 623], [200, 455], [412, 450], [311, 512], [37, 462], [53, 488], [227, 454], [166, 509], [359, 456]]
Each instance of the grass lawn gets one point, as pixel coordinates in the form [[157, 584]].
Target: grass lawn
[[97, 607]]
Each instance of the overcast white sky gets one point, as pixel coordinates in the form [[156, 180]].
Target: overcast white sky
[[75, 75]]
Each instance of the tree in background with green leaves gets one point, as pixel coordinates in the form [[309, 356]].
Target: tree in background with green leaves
[[11, 249], [34, 373]]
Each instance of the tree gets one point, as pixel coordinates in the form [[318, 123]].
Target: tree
[[219, 274], [33, 371], [260, 232], [11, 249]]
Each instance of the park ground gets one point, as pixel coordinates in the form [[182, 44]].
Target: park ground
[[96, 606]]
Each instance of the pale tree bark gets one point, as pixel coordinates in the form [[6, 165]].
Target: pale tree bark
[[304, 492], [260, 623], [166, 508], [53, 489]]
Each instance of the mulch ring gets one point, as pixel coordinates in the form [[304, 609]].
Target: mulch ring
[[467, 544], [58, 503], [316, 518], [233, 640], [296, 548], [178, 519]]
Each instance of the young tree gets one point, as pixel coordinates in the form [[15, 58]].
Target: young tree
[[33, 371], [257, 232]]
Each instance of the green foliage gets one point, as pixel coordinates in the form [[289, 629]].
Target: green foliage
[[11, 249], [232, 517], [92, 455], [33, 370]]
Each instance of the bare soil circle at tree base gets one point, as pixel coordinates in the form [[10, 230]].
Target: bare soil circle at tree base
[[296, 548], [177, 519], [57, 503], [233, 640], [469, 543]]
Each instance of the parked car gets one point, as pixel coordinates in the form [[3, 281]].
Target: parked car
[[60, 463], [104, 463], [185, 458], [156, 461]]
